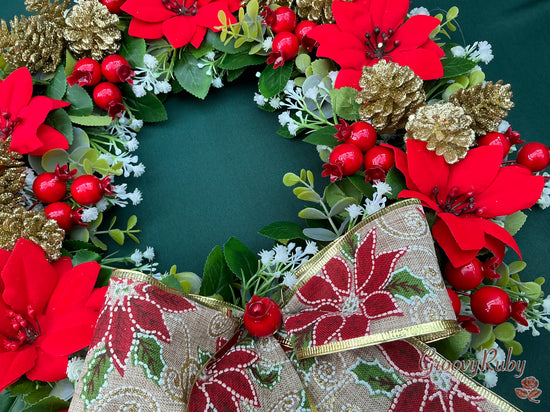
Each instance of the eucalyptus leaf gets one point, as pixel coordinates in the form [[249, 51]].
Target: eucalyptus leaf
[[290, 179], [341, 205], [52, 158], [312, 213], [514, 222], [505, 332], [117, 235], [309, 196], [91, 120], [320, 234]]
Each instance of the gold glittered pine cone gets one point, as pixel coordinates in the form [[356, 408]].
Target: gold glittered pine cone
[[445, 127], [91, 30], [487, 103], [390, 93], [319, 11], [12, 180]]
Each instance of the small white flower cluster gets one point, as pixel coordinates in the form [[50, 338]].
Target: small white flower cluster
[[125, 129], [490, 377], [74, 368], [208, 61], [283, 260], [147, 78], [90, 214], [129, 162], [148, 255], [378, 202], [418, 11], [542, 321], [544, 200], [479, 51]]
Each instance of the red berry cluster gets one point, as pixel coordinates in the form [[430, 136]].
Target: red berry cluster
[[113, 5], [289, 35], [358, 150], [107, 96], [51, 188]]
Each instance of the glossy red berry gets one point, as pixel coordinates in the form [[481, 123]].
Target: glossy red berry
[[360, 134], [285, 47], [301, 31], [283, 19], [378, 161], [534, 156], [465, 277], [455, 301], [491, 305], [262, 317], [113, 5], [116, 69], [108, 97], [89, 189], [50, 187], [496, 139], [86, 72], [344, 160]]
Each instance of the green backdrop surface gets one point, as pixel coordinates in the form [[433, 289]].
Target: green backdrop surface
[[214, 169]]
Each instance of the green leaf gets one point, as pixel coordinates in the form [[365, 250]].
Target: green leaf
[[283, 131], [333, 194], [282, 231], [147, 108], [58, 85], [303, 61], [312, 213], [92, 120], [190, 282], [267, 378], [117, 235], [366, 189], [84, 256], [514, 222], [234, 74], [456, 66], [60, 121], [147, 353], [241, 60], [341, 205], [49, 403], [343, 103], [531, 289], [455, 346], [52, 158], [81, 102], [516, 267], [95, 378], [379, 380], [242, 262], [406, 285], [323, 137], [309, 196], [290, 179], [70, 63], [505, 332], [22, 387], [133, 49], [217, 276], [191, 77], [485, 333], [172, 282], [273, 81], [132, 222], [320, 234], [397, 182]]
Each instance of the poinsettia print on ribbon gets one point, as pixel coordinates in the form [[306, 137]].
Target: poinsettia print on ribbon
[[347, 295]]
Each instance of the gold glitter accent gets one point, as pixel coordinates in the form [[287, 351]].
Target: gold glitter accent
[[31, 225], [487, 103], [12, 176], [35, 42], [319, 11], [390, 93], [445, 127], [91, 30]]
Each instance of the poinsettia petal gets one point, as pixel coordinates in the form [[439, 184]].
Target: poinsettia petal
[[235, 358], [198, 37], [238, 385], [148, 318], [467, 230], [425, 199], [424, 63], [145, 30], [324, 32], [389, 14], [22, 286], [179, 30], [380, 304], [168, 301], [318, 290], [496, 246], [15, 364], [152, 11], [16, 91], [348, 78], [345, 49], [327, 329], [303, 320], [501, 234], [513, 189], [411, 398], [426, 169], [406, 358], [353, 17], [207, 15], [50, 139], [415, 31], [48, 368], [432, 46], [119, 337], [355, 326], [336, 271], [444, 237]]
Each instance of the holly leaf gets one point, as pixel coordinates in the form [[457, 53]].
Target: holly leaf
[[456, 66], [95, 378], [60, 121], [282, 231], [404, 284], [147, 108], [273, 81], [133, 49], [267, 378], [379, 380], [242, 262], [58, 85], [147, 353], [343, 103], [323, 137], [241, 60], [191, 77], [49, 403], [81, 102], [217, 276], [397, 182]]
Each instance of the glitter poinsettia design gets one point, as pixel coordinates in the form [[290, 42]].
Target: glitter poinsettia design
[[344, 299], [426, 389], [225, 383], [181, 21], [367, 31], [465, 195], [133, 307]]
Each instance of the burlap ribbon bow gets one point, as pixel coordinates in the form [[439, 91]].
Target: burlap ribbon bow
[[351, 339]]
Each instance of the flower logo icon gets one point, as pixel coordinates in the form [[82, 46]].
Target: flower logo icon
[[530, 389]]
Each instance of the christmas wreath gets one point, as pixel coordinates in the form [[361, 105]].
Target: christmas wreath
[[413, 145]]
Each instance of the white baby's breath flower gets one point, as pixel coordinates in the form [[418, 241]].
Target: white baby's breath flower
[[484, 51], [102, 205], [354, 211], [137, 257], [89, 215], [312, 93], [546, 304], [458, 51], [382, 188], [139, 90], [490, 379], [135, 197], [281, 254], [163, 87], [311, 248], [293, 128], [210, 56], [217, 82], [275, 102], [150, 61], [260, 99], [266, 256], [419, 11], [377, 203], [284, 118], [74, 368], [132, 145], [267, 44], [149, 253], [289, 279]]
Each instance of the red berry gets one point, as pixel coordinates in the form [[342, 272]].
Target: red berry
[[455, 301], [344, 160], [378, 161], [62, 213], [491, 305], [88, 189], [108, 97], [50, 187], [285, 47], [86, 72], [465, 277], [113, 5], [518, 312], [283, 19], [301, 31], [363, 135], [534, 156], [116, 69], [496, 139], [262, 317]]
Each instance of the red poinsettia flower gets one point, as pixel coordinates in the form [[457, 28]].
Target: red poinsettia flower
[[132, 307], [22, 116], [369, 30], [344, 299], [181, 21], [47, 312], [225, 383], [466, 194], [427, 388]]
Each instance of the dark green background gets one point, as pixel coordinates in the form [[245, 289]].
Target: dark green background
[[214, 169]]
